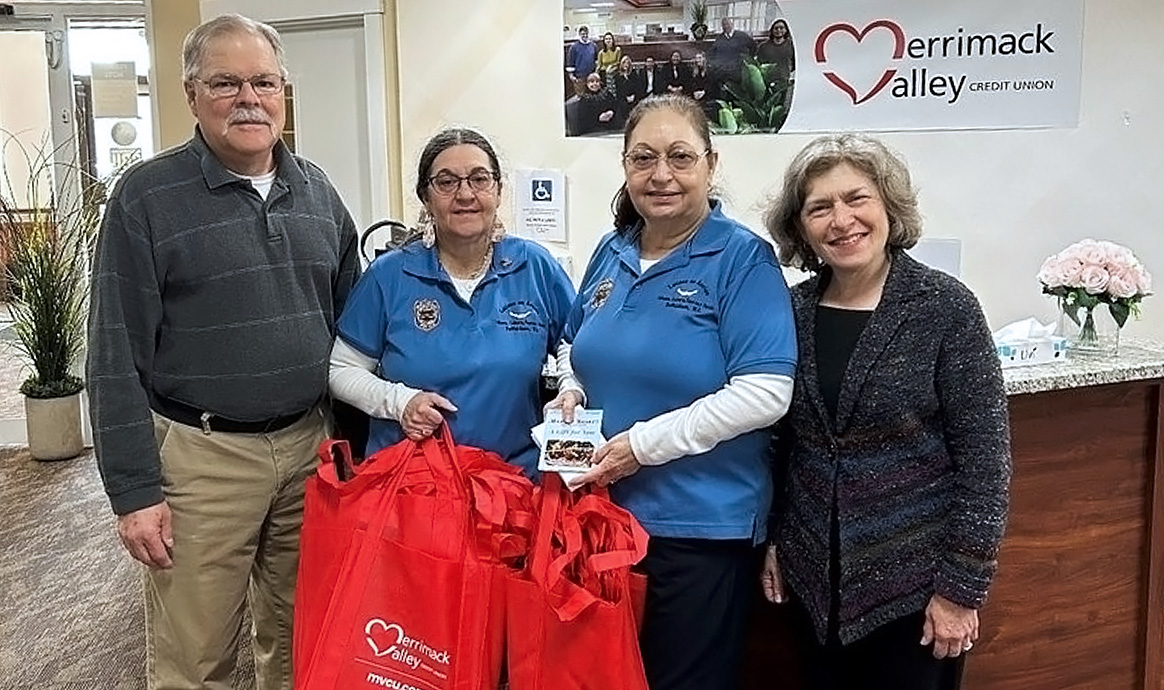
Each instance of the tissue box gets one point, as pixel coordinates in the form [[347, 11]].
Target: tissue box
[[1033, 351]]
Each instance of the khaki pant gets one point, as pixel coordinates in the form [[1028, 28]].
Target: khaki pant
[[237, 505]]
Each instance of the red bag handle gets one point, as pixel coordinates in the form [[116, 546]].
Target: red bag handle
[[582, 541], [565, 596], [621, 548], [441, 456], [336, 456], [336, 463], [345, 476]]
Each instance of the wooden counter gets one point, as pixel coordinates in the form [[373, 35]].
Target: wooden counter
[[1078, 602]]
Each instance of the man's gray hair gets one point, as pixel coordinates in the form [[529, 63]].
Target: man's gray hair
[[194, 47]]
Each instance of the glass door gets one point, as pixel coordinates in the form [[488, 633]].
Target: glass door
[[110, 61]]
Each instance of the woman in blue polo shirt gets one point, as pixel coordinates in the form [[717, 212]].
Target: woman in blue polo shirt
[[456, 325], [682, 334]]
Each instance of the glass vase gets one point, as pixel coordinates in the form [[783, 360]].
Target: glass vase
[[1096, 333]]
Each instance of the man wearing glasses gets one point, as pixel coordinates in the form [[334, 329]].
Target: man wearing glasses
[[220, 269]]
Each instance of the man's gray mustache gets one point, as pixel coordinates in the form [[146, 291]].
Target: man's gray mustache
[[245, 116]]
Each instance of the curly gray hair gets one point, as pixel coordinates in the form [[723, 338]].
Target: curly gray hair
[[874, 159]]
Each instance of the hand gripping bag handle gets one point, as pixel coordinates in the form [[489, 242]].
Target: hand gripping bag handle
[[441, 455]]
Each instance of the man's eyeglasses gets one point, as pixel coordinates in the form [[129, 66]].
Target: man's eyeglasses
[[447, 184], [229, 86], [679, 160]]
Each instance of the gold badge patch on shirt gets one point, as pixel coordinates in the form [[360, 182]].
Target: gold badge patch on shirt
[[602, 293], [427, 313]]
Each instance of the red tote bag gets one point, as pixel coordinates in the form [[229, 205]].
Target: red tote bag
[[573, 616], [337, 502], [414, 601]]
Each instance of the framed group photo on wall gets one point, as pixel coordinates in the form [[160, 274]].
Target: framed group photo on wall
[[735, 58]]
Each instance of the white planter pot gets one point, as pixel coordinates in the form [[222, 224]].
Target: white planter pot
[[54, 427]]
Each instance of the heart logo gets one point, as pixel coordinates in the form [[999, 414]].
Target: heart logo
[[384, 629], [842, 27]]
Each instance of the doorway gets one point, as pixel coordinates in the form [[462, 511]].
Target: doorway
[[64, 65]]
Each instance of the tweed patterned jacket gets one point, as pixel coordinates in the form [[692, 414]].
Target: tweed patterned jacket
[[918, 458]]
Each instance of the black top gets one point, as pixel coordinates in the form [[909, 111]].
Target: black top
[[837, 331]]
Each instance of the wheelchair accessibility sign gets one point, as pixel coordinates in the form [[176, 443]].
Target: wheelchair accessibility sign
[[542, 189], [541, 206]]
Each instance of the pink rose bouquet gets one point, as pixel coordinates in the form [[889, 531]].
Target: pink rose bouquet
[[1090, 273]]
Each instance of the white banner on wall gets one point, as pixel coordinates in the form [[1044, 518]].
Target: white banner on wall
[[909, 65]]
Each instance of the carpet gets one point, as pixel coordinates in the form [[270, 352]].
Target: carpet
[[71, 615]]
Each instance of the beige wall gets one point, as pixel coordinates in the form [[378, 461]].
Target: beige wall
[[25, 119], [1011, 197], [167, 23]]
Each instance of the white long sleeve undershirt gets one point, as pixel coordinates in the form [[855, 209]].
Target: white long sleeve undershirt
[[566, 379], [352, 379], [746, 403]]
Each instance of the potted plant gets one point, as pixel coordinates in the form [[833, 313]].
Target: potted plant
[[46, 242], [698, 10], [758, 103]]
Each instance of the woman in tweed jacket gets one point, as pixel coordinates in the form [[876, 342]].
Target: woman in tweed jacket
[[895, 451]]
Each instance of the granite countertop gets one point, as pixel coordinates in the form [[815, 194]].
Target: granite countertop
[[1138, 360]]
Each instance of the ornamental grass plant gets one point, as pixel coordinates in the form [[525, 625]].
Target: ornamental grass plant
[[46, 244]]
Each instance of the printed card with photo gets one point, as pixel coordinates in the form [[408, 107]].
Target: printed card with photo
[[570, 447]]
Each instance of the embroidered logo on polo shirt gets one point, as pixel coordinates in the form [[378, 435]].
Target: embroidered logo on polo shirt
[[520, 316], [687, 295], [427, 313], [602, 293]]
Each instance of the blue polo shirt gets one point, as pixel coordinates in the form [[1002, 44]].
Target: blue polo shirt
[[645, 343], [485, 356]]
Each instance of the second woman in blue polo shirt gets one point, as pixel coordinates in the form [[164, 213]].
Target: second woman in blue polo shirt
[[683, 335], [456, 325]]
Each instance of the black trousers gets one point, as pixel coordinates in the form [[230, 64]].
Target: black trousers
[[889, 658], [698, 595]]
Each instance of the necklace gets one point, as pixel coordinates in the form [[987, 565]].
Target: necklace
[[485, 261]]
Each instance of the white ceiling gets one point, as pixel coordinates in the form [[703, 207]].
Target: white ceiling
[[620, 5]]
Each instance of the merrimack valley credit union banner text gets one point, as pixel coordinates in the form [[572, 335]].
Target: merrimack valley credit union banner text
[[922, 65]]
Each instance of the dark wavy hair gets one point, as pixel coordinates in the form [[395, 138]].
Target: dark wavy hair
[[772, 29], [887, 170], [626, 216], [447, 139]]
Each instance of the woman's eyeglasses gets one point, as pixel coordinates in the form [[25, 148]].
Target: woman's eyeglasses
[[447, 184], [229, 86], [679, 160]]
